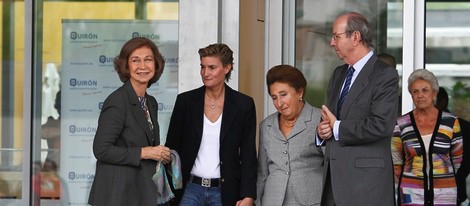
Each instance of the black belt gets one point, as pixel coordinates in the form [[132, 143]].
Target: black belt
[[205, 182]]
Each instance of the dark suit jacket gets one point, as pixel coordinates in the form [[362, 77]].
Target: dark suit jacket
[[121, 177], [360, 162], [237, 141], [464, 169]]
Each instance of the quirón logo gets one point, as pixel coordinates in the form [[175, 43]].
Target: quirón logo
[[74, 129], [74, 176], [103, 59], [75, 82], [148, 36], [165, 107], [78, 36]]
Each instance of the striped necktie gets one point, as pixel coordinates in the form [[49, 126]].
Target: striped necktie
[[345, 90]]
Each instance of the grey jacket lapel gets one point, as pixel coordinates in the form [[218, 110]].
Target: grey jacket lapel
[[138, 112], [300, 125], [301, 122]]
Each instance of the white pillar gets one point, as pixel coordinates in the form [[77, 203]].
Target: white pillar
[[202, 23]]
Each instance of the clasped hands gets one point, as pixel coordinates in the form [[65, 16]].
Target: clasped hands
[[158, 153], [325, 128]]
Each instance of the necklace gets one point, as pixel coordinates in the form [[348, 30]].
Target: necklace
[[288, 123], [213, 105]]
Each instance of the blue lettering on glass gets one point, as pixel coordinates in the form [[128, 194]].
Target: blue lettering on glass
[[74, 129], [71, 175], [104, 59], [172, 60], [81, 176], [148, 36], [162, 107], [74, 35], [100, 105], [74, 82]]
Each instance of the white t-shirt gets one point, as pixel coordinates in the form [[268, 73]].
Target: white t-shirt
[[207, 164]]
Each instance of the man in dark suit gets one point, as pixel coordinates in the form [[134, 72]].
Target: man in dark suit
[[213, 129], [358, 120]]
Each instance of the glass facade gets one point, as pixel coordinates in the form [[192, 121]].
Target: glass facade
[[313, 54], [11, 80], [52, 46], [446, 54], [448, 51], [446, 41]]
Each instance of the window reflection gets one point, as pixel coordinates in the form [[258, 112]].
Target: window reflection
[[11, 78], [313, 54], [448, 51], [53, 179], [47, 185], [448, 57]]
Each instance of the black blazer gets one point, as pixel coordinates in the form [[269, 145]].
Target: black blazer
[[464, 169], [121, 177], [238, 162]]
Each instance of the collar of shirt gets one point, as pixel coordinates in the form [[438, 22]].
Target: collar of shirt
[[360, 64]]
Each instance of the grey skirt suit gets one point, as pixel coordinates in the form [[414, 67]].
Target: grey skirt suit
[[290, 170]]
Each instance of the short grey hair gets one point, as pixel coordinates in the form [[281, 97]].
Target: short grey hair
[[425, 75], [358, 22]]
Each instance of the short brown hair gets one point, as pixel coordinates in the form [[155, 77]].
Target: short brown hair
[[121, 61], [223, 52], [286, 74]]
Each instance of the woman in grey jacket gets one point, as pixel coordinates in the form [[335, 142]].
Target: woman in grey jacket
[[127, 141], [290, 165]]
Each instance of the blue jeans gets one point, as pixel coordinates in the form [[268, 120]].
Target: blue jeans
[[197, 195]]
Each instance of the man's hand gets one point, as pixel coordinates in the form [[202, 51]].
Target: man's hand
[[325, 128], [326, 114]]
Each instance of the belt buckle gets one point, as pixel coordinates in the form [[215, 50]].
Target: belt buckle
[[205, 182]]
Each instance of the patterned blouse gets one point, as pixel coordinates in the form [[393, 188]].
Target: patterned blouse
[[410, 161]]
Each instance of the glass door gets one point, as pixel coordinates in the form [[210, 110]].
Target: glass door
[[75, 43], [447, 55], [313, 22], [448, 51]]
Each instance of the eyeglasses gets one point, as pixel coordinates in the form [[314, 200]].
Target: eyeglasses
[[137, 61], [337, 36]]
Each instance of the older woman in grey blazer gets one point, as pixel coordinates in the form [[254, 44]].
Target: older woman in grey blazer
[[290, 165], [127, 141]]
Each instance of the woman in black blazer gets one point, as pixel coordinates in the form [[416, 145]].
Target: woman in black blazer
[[213, 129], [126, 143]]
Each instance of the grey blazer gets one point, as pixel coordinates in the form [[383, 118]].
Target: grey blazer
[[360, 162], [295, 164], [121, 177]]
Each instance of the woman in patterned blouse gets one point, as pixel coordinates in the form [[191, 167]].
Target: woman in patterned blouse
[[426, 147]]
